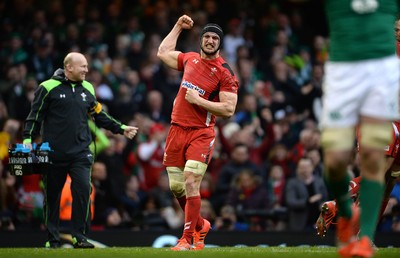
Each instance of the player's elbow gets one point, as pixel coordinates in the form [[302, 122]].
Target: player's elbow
[[162, 52], [229, 112]]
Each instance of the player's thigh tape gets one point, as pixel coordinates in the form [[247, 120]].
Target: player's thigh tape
[[176, 181], [338, 138], [376, 135], [196, 167]]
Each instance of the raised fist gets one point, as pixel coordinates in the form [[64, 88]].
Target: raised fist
[[185, 22]]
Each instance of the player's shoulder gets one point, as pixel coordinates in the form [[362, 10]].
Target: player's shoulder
[[189, 55], [225, 66]]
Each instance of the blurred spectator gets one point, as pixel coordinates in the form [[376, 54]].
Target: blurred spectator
[[14, 52], [250, 198], [239, 160], [117, 74], [315, 156], [103, 197], [279, 156], [151, 154], [207, 187], [154, 107], [162, 192], [232, 40], [277, 182], [228, 221], [207, 211], [133, 199], [173, 215], [113, 158], [41, 62], [20, 99], [304, 195], [101, 61], [152, 218], [103, 91], [66, 204], [305, 144], [319, 50], [8, 200], [390, 220]]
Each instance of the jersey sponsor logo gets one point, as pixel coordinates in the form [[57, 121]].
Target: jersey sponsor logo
[[188, 85]]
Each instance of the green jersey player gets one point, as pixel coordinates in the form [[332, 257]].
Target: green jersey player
[[361, 89]]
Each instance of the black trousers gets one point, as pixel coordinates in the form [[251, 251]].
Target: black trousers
[[54, 178]]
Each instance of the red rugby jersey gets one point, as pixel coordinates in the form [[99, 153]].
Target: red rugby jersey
[[208, 78]]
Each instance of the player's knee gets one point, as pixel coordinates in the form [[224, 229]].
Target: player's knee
[[375, 135], [338, 138], [176, 181], [177, 188], [196, 167]]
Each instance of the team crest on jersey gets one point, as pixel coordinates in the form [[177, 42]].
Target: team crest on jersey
[[83, 96], [213, 70]]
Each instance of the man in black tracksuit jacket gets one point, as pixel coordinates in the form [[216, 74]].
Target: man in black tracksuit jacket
[[59, 113]]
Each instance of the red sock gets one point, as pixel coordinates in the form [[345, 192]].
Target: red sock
[[192, 211], [200, 221]]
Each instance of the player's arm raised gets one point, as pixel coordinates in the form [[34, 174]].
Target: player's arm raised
[[166, 51]]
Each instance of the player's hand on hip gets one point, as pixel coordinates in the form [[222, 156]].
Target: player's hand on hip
[[191, 96], [185, 22], [130, 131]]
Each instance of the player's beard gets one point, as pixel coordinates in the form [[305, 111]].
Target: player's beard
[[208, 52]]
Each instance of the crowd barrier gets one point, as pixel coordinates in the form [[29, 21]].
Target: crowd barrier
[[126, 238]]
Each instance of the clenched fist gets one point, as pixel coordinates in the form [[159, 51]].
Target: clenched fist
[[192, 96], [185, 22]]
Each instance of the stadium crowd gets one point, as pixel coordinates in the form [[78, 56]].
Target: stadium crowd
[[267, 151]]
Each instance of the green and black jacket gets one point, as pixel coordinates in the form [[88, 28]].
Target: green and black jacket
[[60, 113]]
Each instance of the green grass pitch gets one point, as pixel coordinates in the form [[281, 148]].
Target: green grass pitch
[[143, 252]]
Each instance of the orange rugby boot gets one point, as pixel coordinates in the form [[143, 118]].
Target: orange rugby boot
[[182, 245], [346, 232], [325, 219], [199, 236], [363, 248]]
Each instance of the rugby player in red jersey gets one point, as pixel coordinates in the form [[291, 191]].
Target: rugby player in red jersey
[[208, 89]]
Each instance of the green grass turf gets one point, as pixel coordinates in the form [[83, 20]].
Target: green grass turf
[[228, 252]]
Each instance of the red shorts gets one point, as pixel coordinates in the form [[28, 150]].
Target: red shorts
[[184, 144]]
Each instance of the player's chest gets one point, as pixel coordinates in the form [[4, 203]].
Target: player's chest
[[205, 76]]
